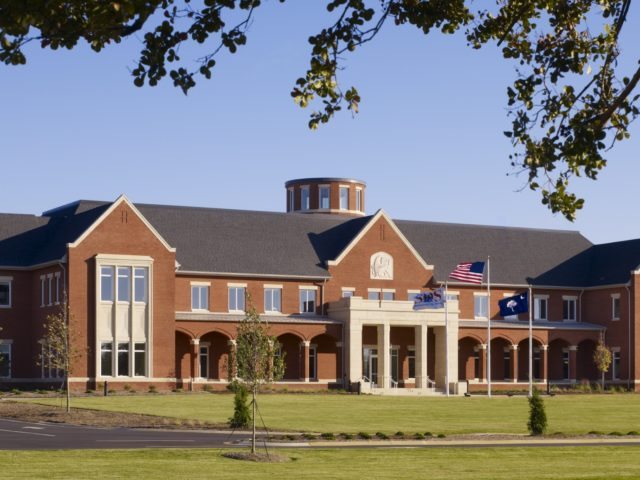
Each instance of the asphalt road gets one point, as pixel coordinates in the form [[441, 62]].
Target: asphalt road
[[18, 435]]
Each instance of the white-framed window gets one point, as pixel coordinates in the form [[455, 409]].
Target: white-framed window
[[106, 359], [204, 360], [290, 199], [124, 284], [123, 359], [358, 199], [386, 294], [304, 198], [5, 292], [615, 306], [47, 357], [50, 284], [139, 359], [199, 297], [480, 306], [140, 284], [411, 295], [540, 306], [411, 361], [348, 292], [236, 298], [615, 363], [57, 277], [106, 284], [272, 299], [42, 289], [5, 360], [569, 308], [324, 192], [307, 300], [344, 197]]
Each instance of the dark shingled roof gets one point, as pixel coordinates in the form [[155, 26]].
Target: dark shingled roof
[[267, 243]]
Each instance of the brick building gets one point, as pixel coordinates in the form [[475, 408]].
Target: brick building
[[156, 293]]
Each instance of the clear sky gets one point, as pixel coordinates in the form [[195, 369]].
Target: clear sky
[[428, 140]]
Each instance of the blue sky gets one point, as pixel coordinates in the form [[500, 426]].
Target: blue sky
[[428, 140]]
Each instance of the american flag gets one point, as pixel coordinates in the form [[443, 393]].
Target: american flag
[[471, 272]]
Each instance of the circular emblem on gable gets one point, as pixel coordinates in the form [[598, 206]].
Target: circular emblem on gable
[[381, 266]]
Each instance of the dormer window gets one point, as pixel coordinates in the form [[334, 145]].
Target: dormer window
[[344, 198], [323, 193], [304, 198]]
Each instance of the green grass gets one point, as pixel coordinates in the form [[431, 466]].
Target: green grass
[[571, 414], [441, 463]]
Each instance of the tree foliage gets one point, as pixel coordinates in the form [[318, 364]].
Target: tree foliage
[[257, 360], [537, 424], [58, 347], [570, 103], [602, 358]]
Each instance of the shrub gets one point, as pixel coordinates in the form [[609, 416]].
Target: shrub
[[15, 391], [419, 436], [308, 436], [328, 436], [428, 434], [441, 435], [153, 389], [346, 436], [616, 434], [382, 436], [364, 435], [595, 432], [537, 424], [127, 388], [399, 434], [241, 414], [633, 432]]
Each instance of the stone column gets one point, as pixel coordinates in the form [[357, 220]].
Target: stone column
[[195, 357], [514, 363], [305, 360], [354, 358], [544, 363], [482, 360], [384, 357], [573, 363], [421, 356], [232, 365]]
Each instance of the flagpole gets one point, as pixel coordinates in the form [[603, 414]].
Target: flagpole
[[489, 326], [446, 337], [530, 344]]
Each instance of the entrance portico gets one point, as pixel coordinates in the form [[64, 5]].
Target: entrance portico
[[386, 316]]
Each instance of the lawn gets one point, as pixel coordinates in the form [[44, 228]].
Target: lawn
[[569, 414], [437, 463]]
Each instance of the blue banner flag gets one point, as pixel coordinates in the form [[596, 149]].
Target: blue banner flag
[[514, 305], [433, 299]]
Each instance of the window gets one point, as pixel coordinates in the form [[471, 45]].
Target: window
[[307, 301], [374, 295], [344, 198], [388, 295], [615, 364], [313, 355], [569, 309], [5, 360], [124, 284], [411, 360], [540, 308], [123, 359], [615, 307], [5, 292], [323, 196], [204, 361], [199, 297], [106, 284], [57, 288], [347, 292], [290, 198], [42, 286], [139, 359], [480, 306], [50, 282], [304, 198], [359, 199], [140, 284], [236, 299], [106, 359], [411, 295], [273, 299]]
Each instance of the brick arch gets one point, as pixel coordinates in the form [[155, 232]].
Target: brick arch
[[502, 336], [291, 331], [500, 371], [472, 336], [523, 359], [186, 332], [466, 357], [290, 348], [217, 330], [218, 350], [183, 354]]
